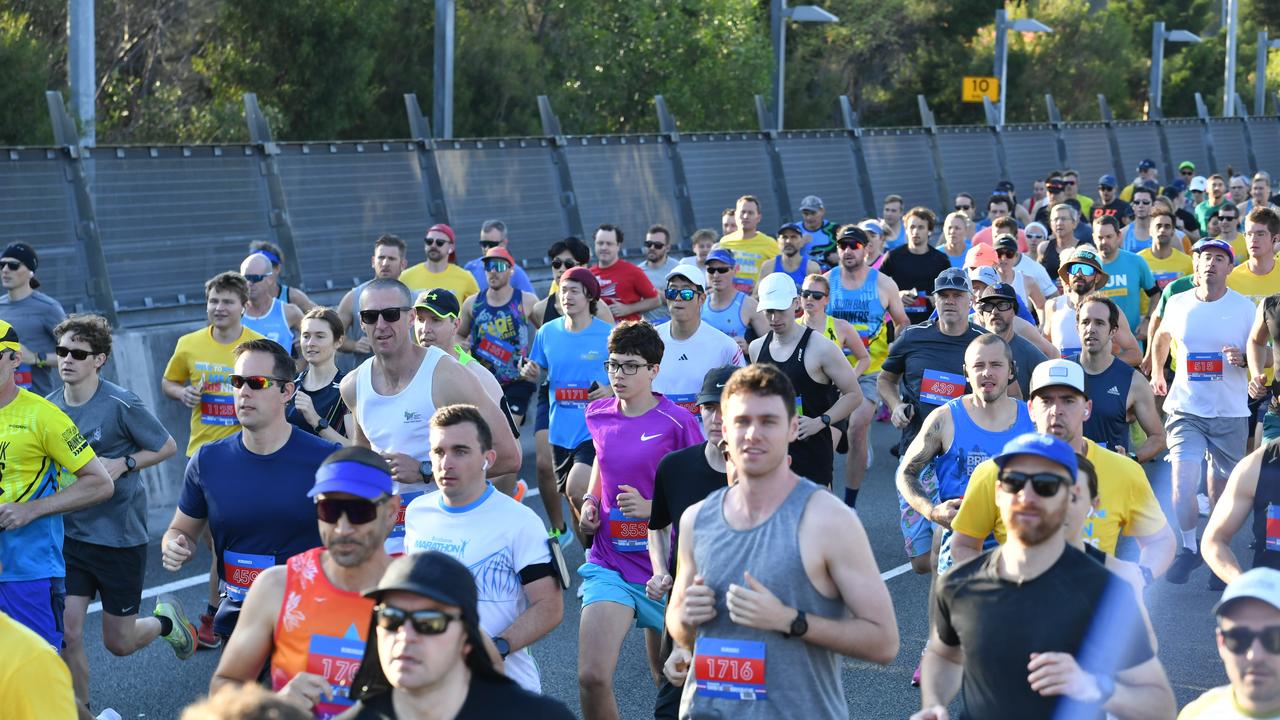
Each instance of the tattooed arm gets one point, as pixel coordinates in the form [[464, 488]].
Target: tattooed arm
[[933, 440]]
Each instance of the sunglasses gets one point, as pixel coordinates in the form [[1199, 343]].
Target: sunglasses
[[812, 294], [1035, 236], [425, 622], [77, 354], [566, 264], [255, 278], [1139, 202], [258, 382], [1186, 172], [964, 207], [10, 264], [614, 368], [438, 242], [1239, 639], [1006, 253], [497, 266], [846, 244], [391, 314], [1226, 217], [1106, 188], [1081, 269], [358, 512], [489, 244], [685, 294], [1069, 183], [654, 245], [997, 305], [1044, 484], [718, 270]]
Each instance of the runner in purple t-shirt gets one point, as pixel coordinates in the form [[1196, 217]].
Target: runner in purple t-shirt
[[631, 433]]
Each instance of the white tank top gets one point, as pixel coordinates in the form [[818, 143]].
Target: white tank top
[[1065, 335], [398, 423]]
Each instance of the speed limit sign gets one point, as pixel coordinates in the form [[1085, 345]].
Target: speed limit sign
[[976, 87]]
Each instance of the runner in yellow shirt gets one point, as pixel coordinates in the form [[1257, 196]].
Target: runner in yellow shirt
[[751, 249], [437, 271], [1165, 259]]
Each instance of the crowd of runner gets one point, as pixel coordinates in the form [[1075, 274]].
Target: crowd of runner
[[356, 471]]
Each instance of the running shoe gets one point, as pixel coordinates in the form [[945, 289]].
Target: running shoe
[[182, 634], [205, 636], [915, 676], [522, 487], [1216, 583], [564, 537], [1183, 565]]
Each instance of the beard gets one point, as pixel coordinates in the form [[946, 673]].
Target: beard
[[1033, 532]]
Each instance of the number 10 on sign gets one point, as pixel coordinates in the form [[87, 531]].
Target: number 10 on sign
[[977, 87]]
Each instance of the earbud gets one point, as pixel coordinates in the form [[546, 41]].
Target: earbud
[[486, 464], [1086, 414]]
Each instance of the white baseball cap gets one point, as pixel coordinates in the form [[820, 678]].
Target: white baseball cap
[[777, 291], [1057, 372], [1198, 183], [690, 273], [1259, 583]]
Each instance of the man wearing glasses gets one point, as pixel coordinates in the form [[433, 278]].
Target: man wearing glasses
[[297, 616], [1108, 202], [265, 313], [728, 309], [997, 306], [1081, 273], [1137, 234], [493, 234], [438, 272], [1091, 653], [32, 314], [255, 523], [656, 264], [1229, 230], [1248, 613], [690, 347], [502, 542], [389, 261]]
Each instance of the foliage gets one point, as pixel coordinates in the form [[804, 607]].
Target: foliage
[[25, 65]]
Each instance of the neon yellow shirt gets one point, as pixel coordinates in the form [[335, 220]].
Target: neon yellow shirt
[[1219, 704], [751, 255], [1126, 504], [456, 280], [200, 360], [34, 681]]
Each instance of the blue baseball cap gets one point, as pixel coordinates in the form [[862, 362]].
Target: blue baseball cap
[[1214, 244], [792, 226], [354, 478], [1107, 181], [723, 256], [1045, 446]]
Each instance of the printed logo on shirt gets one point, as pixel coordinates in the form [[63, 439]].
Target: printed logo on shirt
[[74, 440], [682, 357], [411, 416], [448, 546], [1114, 390], [646, 437]]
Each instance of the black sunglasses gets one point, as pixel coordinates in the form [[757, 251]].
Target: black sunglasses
[[812, 294], [654, 245], [964, 207], [1044, 484], [717, 270], [846, 244], [10, 264], [566, 264], [258, 382], [425, 622], [1239, 639], [391, 314], [685, 294], [438, 242], [358, 512], [489, 244], [1006, 253], [63, 351], [255, 278]]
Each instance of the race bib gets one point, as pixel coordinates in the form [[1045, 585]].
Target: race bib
[[1071, 351], [628, 534], [336, 660], [1204, 367], [731, 669], [864, 332], [395, 541], [1165, 278], [494, 350], [918, 304], [22, 376], [241, 569], [572, 394], [217, 409], [1273, 528], [688, 402], [741, 284], [937, 387]]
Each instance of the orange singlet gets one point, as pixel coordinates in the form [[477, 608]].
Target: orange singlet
[[320, 630]]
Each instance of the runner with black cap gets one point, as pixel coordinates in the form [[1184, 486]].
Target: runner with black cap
[[32, 314], [997, 310], [791, 258], [428, 656]]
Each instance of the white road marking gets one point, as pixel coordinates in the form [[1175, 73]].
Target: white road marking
[[900, 570], [162, 589]]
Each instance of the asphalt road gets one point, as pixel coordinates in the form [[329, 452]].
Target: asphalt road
[[153, 684]]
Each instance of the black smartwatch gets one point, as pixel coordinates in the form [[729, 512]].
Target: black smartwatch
[[799, 626], [826, 420], [504, 647], [321, 425], [129, 463]]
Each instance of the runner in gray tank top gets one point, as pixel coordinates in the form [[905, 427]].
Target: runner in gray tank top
[[776, 578]]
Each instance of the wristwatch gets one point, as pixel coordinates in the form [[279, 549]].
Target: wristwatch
[[799, 626], [504, 647], [826, 420], [1147, 576], [424, 468], [1106, 688], [129, 463], [321, 425]]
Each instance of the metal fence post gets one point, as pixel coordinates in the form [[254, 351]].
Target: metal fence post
[[1248, 135], [849, 119], [1055, 121], [97, 279], [684, 200], [1202, 111], [425, 145], [560, 158], [997, 133], [776, 171], [277, 203], [931, 126], [1117, 161]]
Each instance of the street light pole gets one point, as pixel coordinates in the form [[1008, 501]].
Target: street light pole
[[1229, 81], [1003, 27], [1260, 73], [442, 82], [1159, 36], [80, 68], [779, 13]]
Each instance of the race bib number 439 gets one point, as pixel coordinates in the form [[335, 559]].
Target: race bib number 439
[[937, 387], [732, 669]]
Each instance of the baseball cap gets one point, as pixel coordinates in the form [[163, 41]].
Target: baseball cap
[[1214, 244], [1084, 255], [811, 202], [355, 478], [441, 227], [713, 384], [1107, 181], [776, 290], [9, 338], [949, 279], [1151, 185], [1198, 184], [1046, 446], [853, 233], [722, 255], [981, 256], [1259, 583], [1005, 241], [871, 226], [1178, 185], [1147, 164], [1186, 165], [1054, 186], [998, 291], [1051, 373], [791, 226], [985, 275], [590, 285], [501, 254], [439, 301], [1004, 187], [690, 273]]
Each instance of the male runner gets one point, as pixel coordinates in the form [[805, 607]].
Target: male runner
[[1137, 234], [751, 249], [436, 271], [1253, 490], [435, 324], [631, 432], [776, 579], [105, 547], [996, 310], [389, 260], [502, 542], [1063, 219], [623, 287], [1208, 400], [41, 448], [690, 347], [1229, 230], [790, 258], [915, 265], [493, 234], [826, 387], [1128, 276], [1081, 273], [893, 232], [658, 261], [497, 326], [729, 309], [31, 314], [819, 232], [306, 620], [265, 313], [248, 489], [1164, 257], [285, 293]]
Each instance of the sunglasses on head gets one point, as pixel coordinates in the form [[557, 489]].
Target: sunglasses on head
[[358, 512], [1044, 484], [717, 270], [425, 622], [1239, 639], [685, 294], [812, 294], [255, 278], [497, 266], [64, 351], [258, 382], [1081, 269], [10, 264], [391, 314], [438, 242], [654, 245], [566, 264]]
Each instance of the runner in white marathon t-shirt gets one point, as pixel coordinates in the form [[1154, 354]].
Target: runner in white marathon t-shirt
[[690, 347]]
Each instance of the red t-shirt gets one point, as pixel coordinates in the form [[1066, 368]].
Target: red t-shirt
[[623, 283]]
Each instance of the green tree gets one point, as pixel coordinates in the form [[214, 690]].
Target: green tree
[[26, 66]]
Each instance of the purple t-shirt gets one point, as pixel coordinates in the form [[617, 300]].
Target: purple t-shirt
[[628, 450]]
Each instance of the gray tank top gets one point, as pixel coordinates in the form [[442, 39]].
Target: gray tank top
[[733, 664]]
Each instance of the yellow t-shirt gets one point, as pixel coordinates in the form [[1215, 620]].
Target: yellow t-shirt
[[455, 279], [1125, 502], [1254, 287], [1167, 269], [198, 359], [751, 255], [34, 681]]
